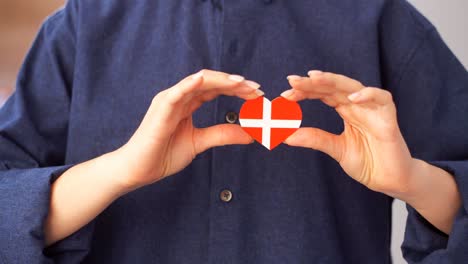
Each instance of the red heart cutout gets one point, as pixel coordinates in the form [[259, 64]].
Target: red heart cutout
[[270, 123]]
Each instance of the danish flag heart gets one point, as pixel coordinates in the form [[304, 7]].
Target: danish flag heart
[[270, 123]]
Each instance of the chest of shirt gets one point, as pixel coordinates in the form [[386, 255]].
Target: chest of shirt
[[125, 57]]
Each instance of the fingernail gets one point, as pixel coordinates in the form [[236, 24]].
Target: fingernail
[[197, 75], [287, 93], [259, 92], [252, 84], [354, 96], [314, 72], [236, 78], [294, 77]]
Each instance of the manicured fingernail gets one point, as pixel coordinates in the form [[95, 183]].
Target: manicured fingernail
[[294, 77], [197, 75], [354, 96], [314, 72], [252, 84], [287, 93], [236, 78], [259, 92]]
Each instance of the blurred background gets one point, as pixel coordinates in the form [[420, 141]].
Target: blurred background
[[20, 20], [19, 23]]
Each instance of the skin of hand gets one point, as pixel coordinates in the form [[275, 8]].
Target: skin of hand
[[165, 142], [371, 149]]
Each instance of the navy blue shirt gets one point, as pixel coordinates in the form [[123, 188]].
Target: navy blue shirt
[[95, 66]]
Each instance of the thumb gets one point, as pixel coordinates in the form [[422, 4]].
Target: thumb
[[219, 135], [317, 139]]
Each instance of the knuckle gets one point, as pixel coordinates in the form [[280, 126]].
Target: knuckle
[[323, 79], [330, 79], [171, 101], [327, 75], [159, 96], [206, 72], [372, 92], [203, 71], [388, 95], [171, 98], [358, 84], [333, 75]]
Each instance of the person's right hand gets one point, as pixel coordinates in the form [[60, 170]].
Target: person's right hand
[[166, 141]]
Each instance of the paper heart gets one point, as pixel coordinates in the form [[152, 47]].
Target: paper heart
[[270, 122]]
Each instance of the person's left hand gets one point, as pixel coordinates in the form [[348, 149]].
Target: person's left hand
[[371, 148]]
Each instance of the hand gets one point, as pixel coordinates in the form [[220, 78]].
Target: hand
[[371, 148], [166, 141]]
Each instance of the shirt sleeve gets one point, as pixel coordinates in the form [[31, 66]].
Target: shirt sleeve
[[33, 139], [430, 88]]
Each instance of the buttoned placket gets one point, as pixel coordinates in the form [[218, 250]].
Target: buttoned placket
[[226, 196], [223, 188]]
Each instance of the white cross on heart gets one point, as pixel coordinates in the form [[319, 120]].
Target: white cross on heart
[[270, 123]]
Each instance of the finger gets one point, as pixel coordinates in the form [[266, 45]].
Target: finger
[[317, 139], [305, 88], [220, 83], [317, 86], [329, 87], [219, 135], [335, 82], [298, 95], [210, 95], [166, 104], [186, 86], [371, 95], [207, 81], [247, 94]]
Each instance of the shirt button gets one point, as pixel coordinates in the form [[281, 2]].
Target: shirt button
[[226, 196], [231, 117]]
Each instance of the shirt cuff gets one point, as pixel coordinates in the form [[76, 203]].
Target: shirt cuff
[[24, 206], [424, 243]]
